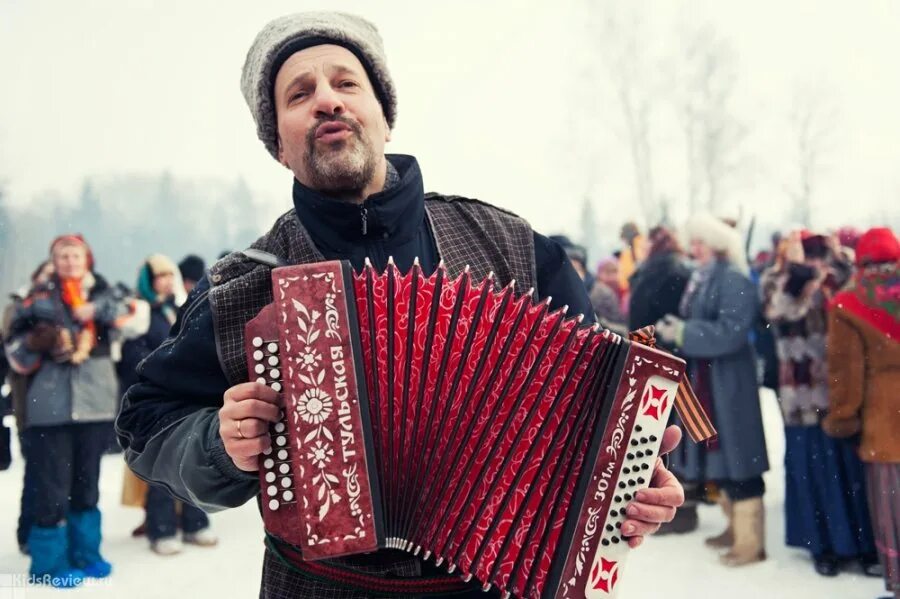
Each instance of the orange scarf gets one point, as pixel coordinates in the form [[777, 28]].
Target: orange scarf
[[73, 296]]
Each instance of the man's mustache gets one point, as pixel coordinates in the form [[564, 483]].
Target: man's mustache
[[354, 126]]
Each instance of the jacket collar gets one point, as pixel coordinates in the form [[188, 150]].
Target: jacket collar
[[395, 213]]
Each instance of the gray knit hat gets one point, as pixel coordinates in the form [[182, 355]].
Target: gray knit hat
[[291, 33]]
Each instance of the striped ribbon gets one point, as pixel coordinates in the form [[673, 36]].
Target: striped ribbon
[[692, 414]]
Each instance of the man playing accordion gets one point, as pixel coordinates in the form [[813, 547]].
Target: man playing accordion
[[324, 103]]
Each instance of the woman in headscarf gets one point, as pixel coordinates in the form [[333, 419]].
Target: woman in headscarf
[[159, 284], [60, 335], [717, 311], [825, 505], [864, 379]]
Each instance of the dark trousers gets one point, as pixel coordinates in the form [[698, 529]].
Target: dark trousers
[[738, 490], [162, 519], [29, 492], [65, 463]]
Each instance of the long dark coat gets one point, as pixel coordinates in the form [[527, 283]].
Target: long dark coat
[[722, 312]]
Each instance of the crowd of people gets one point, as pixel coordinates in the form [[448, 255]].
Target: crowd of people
[[73, 344], [817, 319]]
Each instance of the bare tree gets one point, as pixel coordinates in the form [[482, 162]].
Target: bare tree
[[713, 133], [619, 37], [813, 119]]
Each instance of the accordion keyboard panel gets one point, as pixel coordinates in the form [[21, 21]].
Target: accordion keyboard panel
[[276, 473]]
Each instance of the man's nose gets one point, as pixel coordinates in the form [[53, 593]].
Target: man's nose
[[328, 102]]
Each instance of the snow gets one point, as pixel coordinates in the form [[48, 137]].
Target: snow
[[673, 567]]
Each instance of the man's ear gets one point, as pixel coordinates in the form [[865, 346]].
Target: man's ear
[[281, 153], [387, 131]]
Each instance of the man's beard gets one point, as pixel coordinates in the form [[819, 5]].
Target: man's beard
[[342, 168]]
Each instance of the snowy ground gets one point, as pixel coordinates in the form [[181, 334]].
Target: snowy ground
[[670, 567]]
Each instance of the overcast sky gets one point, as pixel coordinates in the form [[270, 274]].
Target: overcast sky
[[93, 88]]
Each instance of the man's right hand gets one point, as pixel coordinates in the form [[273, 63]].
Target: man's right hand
[[244, 422]]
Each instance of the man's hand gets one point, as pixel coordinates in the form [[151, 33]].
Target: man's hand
[[244, 423], [657, 504]]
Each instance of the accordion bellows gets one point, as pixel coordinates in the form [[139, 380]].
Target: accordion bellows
[[464, 423]]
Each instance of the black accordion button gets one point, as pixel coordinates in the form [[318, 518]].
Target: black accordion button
[[630, 456], [645, 466], [631, 483], [618, 525], [644, 440], [614, 513], [605, 542], [653, 438], [610, 527], [634, 442], [621, 484], [615, 539], [626, 470], [627, 496], [639, 454], [640, 481], [639, 428]]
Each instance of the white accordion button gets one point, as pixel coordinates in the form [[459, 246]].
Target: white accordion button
[[268, 464], [273, 361], [279, 427], [262, 380], [270, 477], [258, 355], [282, 454], [259, 369], [267, 451], [272, 490], [273, 505], [257, 342], [273, 348], [286, 483], [276, 387], [280, 440], [288, 495], [274, 373], [284, 468]]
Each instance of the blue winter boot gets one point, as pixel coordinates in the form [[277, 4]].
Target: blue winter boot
[[84, 543], [50, 558]]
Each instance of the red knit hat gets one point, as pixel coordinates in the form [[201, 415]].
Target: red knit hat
[[877, 245], [74, 239]]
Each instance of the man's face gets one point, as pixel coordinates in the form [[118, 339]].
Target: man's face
[[331, 128]]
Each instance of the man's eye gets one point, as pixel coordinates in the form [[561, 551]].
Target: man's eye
[[348, 83], [298, 96]]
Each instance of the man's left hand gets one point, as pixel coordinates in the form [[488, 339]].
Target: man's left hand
[[657, 504]]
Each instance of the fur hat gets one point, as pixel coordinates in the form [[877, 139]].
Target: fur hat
[[284, 36], [877, 246], [718, 236]]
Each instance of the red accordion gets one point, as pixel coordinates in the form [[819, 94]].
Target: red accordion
[[461, 422]]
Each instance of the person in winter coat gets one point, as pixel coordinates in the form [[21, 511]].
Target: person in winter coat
[[717, 312], [864, 380], [659, 282], [18, 384], [159, 286], [323, 99], [825, 503], [606, 297], [60, 336]]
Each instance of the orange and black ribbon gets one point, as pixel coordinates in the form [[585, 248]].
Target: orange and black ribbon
[[692, 414]]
